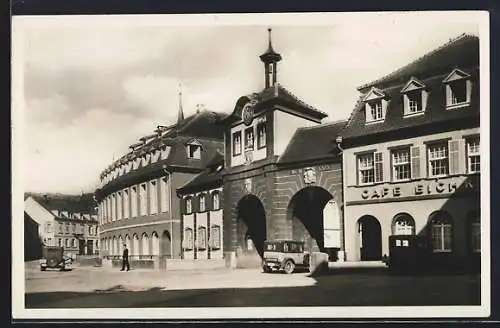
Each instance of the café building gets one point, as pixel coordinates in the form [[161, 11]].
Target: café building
[[411, 157]]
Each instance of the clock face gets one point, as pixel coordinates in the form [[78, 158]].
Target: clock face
[[247, 114]]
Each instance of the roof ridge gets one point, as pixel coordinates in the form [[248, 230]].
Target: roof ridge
[[291, 94], [320, 125], [426, 55]]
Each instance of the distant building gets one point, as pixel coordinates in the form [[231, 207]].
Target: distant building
[[63, 220], [137, 199], [412, 157]]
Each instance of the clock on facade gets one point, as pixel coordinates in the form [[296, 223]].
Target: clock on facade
[[247, 113]]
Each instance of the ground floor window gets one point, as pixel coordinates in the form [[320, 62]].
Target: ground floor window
[[188, 239], [403, 225], [215, 237], [202, 238], [441, 234]]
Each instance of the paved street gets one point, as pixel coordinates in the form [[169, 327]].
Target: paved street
[[99, 287]]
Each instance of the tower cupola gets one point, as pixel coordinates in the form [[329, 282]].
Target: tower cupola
[[270, 59]]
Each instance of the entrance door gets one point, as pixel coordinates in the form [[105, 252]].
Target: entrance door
[[81, 247], [90, 247], [370, 239]]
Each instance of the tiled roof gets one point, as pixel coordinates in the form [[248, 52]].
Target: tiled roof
[[313, 143], [431, 69], [209, 178], [70, 203]]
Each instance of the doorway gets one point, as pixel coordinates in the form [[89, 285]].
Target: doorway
[[370, 237]]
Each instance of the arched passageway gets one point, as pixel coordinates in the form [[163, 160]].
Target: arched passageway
[[166, 244], [251, 225], [315, 219], [370, 238]]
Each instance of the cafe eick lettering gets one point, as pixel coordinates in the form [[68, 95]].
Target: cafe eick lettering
[[417, 190]]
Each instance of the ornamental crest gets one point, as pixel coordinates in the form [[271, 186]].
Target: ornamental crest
[[248, 185], [309, 175], [248, 112]]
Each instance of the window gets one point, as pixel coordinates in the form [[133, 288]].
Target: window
[[133, 202], [188, 239], [216, 201], [403, 225], [49, 241], [202, 202], [476, 236], [119, 206], [143, 199], [66, 242], [401, 164], [441, 234], [215, 237], [261, 135], [59, 242], [153, 197], [194, 151], [189, 205], [90, 230], [202, 238], [366, 169], [97, 243], [74, 227], [67, 227], [414, 102], [249, 138], [375, 110], [438, 159], [60, 227], [126, 204], [73, 242], [458, 92], [473, 155], [237, 143]]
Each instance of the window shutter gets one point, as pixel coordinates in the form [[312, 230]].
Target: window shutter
[[406, 104], [462, 160], [448, 94], [453, 156], [415, 162], [378, 167]]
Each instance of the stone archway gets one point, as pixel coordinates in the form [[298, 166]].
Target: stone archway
[[370, 238], [251, 225], [166, 244]]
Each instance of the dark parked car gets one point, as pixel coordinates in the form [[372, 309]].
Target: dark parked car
[[53, 258], [285, 255], [407, 253]]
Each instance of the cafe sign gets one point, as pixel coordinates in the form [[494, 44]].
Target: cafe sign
[[418, 189]]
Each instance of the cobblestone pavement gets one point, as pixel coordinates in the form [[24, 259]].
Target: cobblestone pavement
[[86, 287]]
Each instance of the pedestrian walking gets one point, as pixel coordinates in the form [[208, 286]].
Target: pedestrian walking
[[125, 258]]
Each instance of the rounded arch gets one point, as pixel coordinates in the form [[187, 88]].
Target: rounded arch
[[120, 245], [369, 238], [127, 241], [403, 224], [135, 249], [155, 244], [310, 210], [166, 244], [145, 244], [115, 245], [251, 223]]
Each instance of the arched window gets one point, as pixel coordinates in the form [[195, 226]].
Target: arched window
[[135, 245], [120, 245], [403, 225], [155, 241], [216, 200], [201, 238], [145, 245], [188, 239], [215, 237], [189, 205], [202, 198], [441, 233]]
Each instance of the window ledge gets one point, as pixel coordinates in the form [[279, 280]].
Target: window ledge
[[420, 113], [459, 105], [375, 121]]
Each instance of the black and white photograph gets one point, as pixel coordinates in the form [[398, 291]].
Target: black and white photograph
[[206, 166]]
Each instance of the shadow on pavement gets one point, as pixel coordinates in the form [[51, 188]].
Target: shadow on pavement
[[345, 287]]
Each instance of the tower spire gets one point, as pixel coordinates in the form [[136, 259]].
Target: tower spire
[[180, 114], [270, 59]]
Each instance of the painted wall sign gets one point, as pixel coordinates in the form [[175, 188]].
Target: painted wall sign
[[429, 188]]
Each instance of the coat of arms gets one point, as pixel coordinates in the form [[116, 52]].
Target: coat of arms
[[309, 175]]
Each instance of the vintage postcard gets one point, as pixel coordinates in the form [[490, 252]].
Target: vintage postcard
[[319, 165]]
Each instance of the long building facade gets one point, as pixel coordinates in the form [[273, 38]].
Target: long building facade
[[406, 161]]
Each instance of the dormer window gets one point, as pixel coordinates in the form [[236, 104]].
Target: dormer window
[[193, 149], [261, 135], [375, 105], [414, 97], [458, 89]]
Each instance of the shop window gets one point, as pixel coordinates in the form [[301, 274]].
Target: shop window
[[201, 238], [441, 234], [237, 143], [473, 155], [215, 237], [438, 159], [401, 164], [188, 239], [403, 225]]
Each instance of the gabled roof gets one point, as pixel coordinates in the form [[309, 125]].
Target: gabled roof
[[278, 95], [429, 70], [456, 74], [70, 203], [412, 85], [313, 143]]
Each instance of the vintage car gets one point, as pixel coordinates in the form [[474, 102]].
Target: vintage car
[[53, 258], [285, 255], [407, 253]]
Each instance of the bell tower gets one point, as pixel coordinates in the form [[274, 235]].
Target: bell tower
[[270, 59]]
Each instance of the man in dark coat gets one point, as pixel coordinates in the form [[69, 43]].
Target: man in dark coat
[[125, 258]]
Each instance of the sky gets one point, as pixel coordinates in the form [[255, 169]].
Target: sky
[[92, 86]]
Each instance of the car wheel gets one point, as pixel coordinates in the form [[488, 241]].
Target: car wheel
[[266, 269], [289, 267]]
